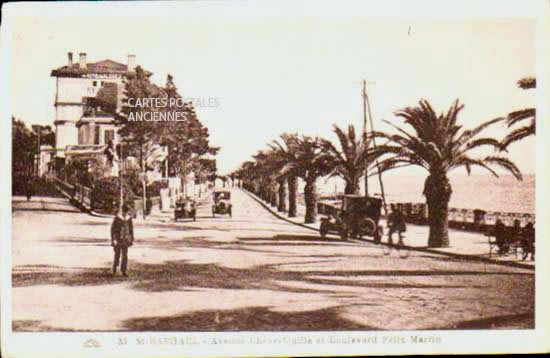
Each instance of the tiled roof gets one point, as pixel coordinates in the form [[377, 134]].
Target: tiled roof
[[105, 66]]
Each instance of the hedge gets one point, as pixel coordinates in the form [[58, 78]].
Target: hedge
[[106, 195]]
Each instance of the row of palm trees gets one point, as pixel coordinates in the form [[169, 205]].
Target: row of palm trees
[[423, 138]]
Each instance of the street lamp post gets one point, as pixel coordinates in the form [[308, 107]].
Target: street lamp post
[[365, 101], [38, 130], [121, 173]]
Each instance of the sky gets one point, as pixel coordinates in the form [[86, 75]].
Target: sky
[[271, 74]]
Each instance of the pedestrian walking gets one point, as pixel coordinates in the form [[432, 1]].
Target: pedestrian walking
[[122, 237], [528, 241], [500, 236], [29, 188], [396, 223]]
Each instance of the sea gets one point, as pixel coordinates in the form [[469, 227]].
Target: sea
[[476, 191]]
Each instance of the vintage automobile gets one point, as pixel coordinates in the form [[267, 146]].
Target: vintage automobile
[[222, 203], [357, 217], [185, 209]]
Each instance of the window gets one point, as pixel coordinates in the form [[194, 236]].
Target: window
[[109, 135], [96, 134], [94, 83]]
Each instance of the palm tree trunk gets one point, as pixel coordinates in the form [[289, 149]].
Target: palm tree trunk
[[352, 187], [439, 226], [310, 197], [282, 195], [292, 190], [273, 194], [438, 193], [263, 191]]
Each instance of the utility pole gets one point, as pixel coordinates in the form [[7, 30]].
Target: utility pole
[[38, 156], [38, 130], [144, 183], [121, 174], [365, 101]]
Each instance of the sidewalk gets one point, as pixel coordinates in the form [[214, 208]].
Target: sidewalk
[[466, 245], [20, 202]]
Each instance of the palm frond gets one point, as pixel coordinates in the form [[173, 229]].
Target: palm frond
[[518, 116], [527, 83], [469, 134], [476, 143], [504, 163], [468, 163], [518, 134]]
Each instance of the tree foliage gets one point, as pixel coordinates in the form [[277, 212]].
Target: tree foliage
[[350, 158], [139, 134], [24, 147], [188, 141], [527, 117]]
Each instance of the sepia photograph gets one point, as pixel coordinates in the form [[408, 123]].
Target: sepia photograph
[[242, 178]]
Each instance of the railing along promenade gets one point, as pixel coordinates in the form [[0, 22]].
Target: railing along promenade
[[76, 193], [82, 196], [475, 220]]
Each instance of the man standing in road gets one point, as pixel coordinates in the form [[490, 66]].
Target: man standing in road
[[396, 223], [122, 237], [29, 188]]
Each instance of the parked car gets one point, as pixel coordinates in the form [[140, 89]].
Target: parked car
[[357, 217], [185, 209], [222, 203]]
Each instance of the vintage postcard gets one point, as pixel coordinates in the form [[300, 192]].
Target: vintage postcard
[[265, 178]]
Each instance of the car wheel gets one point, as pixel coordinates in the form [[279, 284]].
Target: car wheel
[[368, 227]]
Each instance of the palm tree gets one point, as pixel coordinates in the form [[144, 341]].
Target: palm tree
[[278, 162], [266, 169], [286, 153], [439, 145], [521, 116], [351, 159], [309, 163], [246, 175]]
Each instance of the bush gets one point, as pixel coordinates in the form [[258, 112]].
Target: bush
[[106, 195], [154, 188]]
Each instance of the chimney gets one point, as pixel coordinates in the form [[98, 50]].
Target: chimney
[[70, 54], [82, 61], [131, 63]]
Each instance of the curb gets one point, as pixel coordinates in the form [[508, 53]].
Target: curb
[[420, 249], [276, 213]]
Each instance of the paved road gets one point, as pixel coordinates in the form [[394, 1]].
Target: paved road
[[249, 272]]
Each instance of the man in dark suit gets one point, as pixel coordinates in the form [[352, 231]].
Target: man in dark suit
[[122, 237], [396, 223]]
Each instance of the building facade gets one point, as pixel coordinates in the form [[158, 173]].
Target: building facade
[[79, 120]]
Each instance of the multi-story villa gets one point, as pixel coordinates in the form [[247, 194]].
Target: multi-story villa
[[79, 121]]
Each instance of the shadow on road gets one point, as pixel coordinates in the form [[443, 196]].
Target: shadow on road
[[294, 240], [72, 211], [522, 320], [182, 275], [247, 319]]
